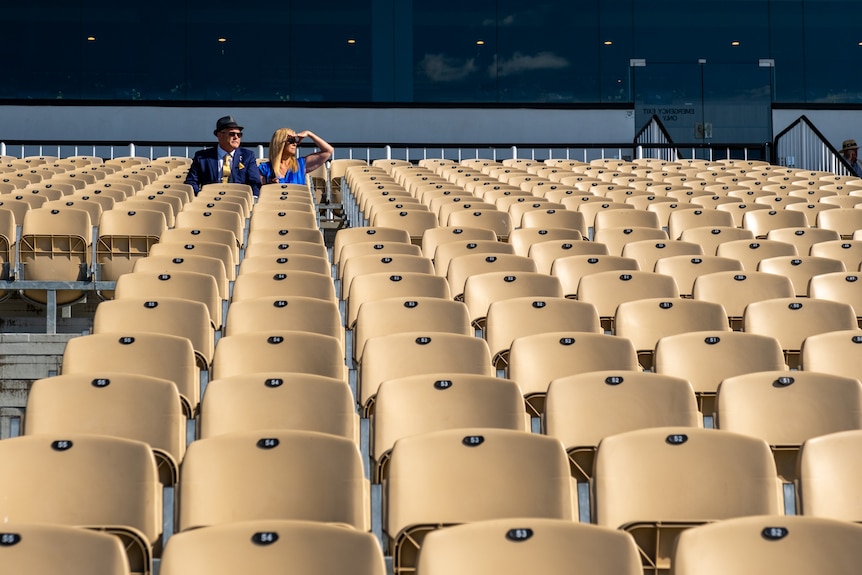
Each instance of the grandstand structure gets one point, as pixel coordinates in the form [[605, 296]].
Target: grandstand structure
[[496, 353], [578, 290]]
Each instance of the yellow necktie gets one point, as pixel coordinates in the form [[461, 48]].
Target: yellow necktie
[[225, 171]]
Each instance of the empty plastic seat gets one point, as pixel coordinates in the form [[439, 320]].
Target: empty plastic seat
[[546, 253], [283, 284], [272, 474], [656, 482], [511, 318], [551, 546], [835, 352], [800, 269], [751, 252], [710, 238], [266, 546], [41, 548], [188, 285], [399, 314], [499, 473], [646, 321], [608, 289], [162, 315], [791, 320], [435, 401], [582, 409], [55, 246], [417, 352], [282, 350], [103, 483], [735, 290], [128, 405], [279, 400], [787, 408], [794, 545], [124, 236], [523, 239], [707, 358], [536, 360], [829, 476], [166, 264], [482, 290]]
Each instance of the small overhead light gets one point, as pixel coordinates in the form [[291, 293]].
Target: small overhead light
[[351, 41], [735, 43], [480, 42], [859, 44], [222, 39], [91, 38], [608, 43]]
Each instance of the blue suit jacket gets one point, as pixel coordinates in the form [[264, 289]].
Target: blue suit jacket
[[204, 169]]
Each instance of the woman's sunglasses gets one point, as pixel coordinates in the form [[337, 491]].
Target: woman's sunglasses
[[293, 140]]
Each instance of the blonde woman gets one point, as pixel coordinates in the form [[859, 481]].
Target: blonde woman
[[284, 166]]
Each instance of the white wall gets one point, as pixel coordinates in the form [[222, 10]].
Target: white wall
[[359, 125], [835, 125]]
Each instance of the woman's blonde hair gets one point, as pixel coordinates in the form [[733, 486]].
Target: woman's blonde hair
[[278, 151]]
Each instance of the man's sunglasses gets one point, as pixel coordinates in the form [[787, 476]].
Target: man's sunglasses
[[234, 134]]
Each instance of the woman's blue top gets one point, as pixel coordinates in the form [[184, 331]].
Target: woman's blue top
[[297, 177]]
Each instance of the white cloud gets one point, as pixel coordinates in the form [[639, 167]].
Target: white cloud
[[441, 68], [507, 21], [519, 63]]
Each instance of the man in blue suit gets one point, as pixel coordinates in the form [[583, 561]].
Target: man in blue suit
[[227, 162]]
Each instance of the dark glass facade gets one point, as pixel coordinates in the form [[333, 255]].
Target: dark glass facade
[[555, 53]]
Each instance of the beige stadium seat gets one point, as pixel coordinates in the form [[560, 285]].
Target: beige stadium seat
[[792, 320], [511, 318], [536, 360], [793, 545], [104, 483], [608, 289], [265, 546], [279, 400], [736, 289], [482, 290], [705, 359], [273, 474], [282, 350], [545, 253], [417, 352], [42, 548], [381, 285], [800, 269], [549, 546], [848, 251], [788, 408], [582, 409], [655, 483], [500, 473], [750, 252], [423, 403], [645, 321], [55, 246], [125, 236], [128, 405], [829, 476]]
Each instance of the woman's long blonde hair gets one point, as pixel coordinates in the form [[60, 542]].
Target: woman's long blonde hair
[[279, 150]]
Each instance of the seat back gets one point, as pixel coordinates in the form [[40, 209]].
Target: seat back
[[272, 474], [264, 546], [782, 544], [104, 483], [582, 409], [499, 473], [279, 400], [551, 546]]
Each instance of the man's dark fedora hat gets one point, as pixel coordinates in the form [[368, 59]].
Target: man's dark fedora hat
[[225, 123]]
